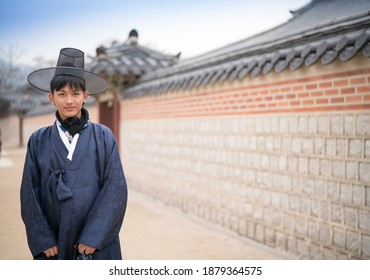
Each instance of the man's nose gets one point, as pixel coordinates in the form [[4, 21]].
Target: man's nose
[[69, 99]]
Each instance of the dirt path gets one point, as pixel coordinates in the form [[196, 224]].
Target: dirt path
[[151, 231]]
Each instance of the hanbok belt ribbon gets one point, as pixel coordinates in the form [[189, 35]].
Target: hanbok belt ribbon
[[62, 190]]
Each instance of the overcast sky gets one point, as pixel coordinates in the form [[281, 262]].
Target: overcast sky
[[40, 28]]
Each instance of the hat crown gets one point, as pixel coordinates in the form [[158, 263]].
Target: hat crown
[[71, 58]]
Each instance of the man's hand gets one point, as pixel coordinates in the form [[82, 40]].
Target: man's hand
[[51, 252], [87, 249]]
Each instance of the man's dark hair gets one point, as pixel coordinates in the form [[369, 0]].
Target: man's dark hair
[[60, 81]]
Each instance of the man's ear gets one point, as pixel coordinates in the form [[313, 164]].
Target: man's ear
[[86, 95], [51, 98]]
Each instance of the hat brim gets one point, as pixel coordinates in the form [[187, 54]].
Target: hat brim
[[41, 78]]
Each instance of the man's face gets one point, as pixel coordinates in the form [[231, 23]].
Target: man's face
[[68, 101]]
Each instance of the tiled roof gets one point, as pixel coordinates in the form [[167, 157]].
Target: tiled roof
[[129, 59], [319, 32], [24, 99]]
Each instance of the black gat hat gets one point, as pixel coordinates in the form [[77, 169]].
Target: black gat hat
[[70, 62]]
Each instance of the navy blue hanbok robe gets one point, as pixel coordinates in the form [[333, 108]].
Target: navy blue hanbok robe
[[65, 202]]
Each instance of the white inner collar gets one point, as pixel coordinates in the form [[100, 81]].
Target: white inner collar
[[71, 146]]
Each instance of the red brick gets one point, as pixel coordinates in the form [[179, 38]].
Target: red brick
[[283, 104], [311, 86], [353, 98], [325, 85], [268, 98], [303, 95], [298, 88], [322, 101], [295, 103], [341, 83], [347, 90], [290, 96], [365, 89], [275, 90], [331, 92], [357, 81], [317, 93], [337, 100], [308, 102], [278, 97]]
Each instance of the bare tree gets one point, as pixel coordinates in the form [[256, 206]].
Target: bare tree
[[9, 70], [41, 62], [10, 80]]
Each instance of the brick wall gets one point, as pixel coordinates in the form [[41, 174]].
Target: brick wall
[[348, 90], [283, 159]]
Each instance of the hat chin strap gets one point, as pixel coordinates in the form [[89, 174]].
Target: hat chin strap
[[74, 124]]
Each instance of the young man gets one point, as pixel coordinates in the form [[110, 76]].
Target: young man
[[73, 190]]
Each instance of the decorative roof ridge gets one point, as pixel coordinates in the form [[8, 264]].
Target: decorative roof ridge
[[117, 50]]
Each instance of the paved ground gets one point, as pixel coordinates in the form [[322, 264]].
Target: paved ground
[[151, 231]]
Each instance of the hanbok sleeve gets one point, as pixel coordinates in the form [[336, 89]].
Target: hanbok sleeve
[[39, 234], [106, 216]]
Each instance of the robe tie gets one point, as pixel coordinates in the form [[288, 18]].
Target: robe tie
[[62, 190]]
